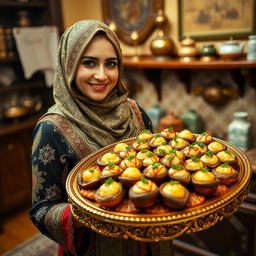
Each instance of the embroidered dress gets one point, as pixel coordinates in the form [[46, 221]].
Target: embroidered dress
[[73, 128]]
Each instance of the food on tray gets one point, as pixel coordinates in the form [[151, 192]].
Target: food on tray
[[89, 178], [130, 176], [111, 170], [145, 135], [174, 195], [140, 144], [144, 193], [226, 174], [156, 172], [193, 164], [215, 147], [159, 173], [127, 151], [227, 157], [179, 173], [210, 160], [205, 138], [130, 161], [163, 149], [156, 140], [187, 135], [178, 143], [119, 147], [109, 194], [107, 158], [150, 159], [168, 133], [204, 182]]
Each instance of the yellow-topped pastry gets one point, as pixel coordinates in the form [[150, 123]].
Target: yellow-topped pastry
[[155, 169], [193, 164], [140, 144], [225, 169], [145, 135], [127, 151], [216, 147], [205, 138], [178, 143], [177, 153], [179, 172], [111, 168], [131, 172], [210, 159], [191, 151], [187, 135], [157, 140], [111, 189], [174, 189], [110, 157], [119, 147], [130, 161], [142, 154], [150, 159], [203, 176], [226, 156], [90, 174], [168, 133], [144, 186], [170, 159], [163, 149]]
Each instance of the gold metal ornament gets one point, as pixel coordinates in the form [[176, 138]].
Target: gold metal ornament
[[157, 227]]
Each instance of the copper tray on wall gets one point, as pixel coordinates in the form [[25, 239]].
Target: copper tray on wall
[[155, 227]]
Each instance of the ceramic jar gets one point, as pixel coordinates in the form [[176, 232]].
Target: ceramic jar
[[251, 52], [231, 49], [155, 114], [188, 51], [171, 120], [208, 52], [192, 121], [239, 131]]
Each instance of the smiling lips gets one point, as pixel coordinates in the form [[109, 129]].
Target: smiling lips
[[98, 87]]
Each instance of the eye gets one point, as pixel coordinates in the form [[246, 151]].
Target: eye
[[89, 63], [111, 64]]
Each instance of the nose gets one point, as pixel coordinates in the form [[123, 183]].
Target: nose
[[100, 73]]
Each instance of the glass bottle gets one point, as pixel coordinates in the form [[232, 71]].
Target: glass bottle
[[251, 52], [192, 121], [239, 131]]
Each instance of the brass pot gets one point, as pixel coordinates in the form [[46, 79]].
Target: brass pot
[[188, 51]]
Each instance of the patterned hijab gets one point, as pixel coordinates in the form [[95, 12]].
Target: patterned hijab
[[103, 122]]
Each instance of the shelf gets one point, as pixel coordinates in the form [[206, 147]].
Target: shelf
[[153, 67], [154, 62]]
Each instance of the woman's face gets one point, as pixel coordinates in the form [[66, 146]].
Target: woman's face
[[98, 71]]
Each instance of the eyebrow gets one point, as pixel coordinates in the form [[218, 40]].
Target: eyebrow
[[95, 58]]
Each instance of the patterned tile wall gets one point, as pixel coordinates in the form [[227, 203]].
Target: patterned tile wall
[[175, 99]]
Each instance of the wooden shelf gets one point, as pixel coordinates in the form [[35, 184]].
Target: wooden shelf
[[153, 66], [154, 62]]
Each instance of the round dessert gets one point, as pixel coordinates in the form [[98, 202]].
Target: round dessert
[[226, 174], [130, 176], [163, 149], [210, 160], [150, 159], [89, 178], [201, 146], [170, 159], [204, 182], [174, 195], [156, 172], [168, 133], [145, 135], [191, 150], [156, 140], [205, 138], [142, 154], [187, 135], [144, 193], [107, 158], [177, 153], [140, 144], [111, 170], [179, 173], [227, 157], [178, 143], [130, 161], [119, 147], [193, 164], [109, 194], [127, 151], [215, 147]]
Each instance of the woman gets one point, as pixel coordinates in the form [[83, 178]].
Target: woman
[[91, 111]]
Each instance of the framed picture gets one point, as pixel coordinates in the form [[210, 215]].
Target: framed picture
[[216, 19], [131, 17]]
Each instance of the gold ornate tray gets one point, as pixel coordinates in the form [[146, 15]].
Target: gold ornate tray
[[156, 227]]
